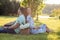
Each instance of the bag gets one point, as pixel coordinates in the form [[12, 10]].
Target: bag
[[25, 31]]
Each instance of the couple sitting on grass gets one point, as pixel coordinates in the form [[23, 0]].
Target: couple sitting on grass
[[20, 23]]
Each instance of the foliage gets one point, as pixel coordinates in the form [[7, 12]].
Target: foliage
[[35, 5], [8, 7], [24, 3], [56, 12]]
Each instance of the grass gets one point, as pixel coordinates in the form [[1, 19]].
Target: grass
[[6, 19], [53, 24]]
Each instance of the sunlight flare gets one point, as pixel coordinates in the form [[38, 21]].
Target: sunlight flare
[[52, 1]]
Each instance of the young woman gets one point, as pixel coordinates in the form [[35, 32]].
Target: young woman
[[35, 30]]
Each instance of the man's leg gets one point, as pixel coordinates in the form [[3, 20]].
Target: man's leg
[[2, 30]]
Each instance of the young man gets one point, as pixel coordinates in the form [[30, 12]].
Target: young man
[[35, 30], [14, 28]]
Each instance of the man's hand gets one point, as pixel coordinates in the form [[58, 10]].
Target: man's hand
[[5, 27]]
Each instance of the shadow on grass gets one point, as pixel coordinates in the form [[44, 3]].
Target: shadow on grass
[[23, 37], [58, 33]]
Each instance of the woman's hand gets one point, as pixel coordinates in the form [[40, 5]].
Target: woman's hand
[[36, 28]]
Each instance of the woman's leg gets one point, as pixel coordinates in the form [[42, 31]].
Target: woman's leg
[[40, 29], [43, 27], [48, 30]]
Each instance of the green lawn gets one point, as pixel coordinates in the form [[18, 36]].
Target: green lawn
[[6, 19], [53, 24]]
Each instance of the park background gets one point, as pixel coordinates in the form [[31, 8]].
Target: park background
[[43, 11]]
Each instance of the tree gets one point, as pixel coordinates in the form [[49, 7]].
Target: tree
[[56, 12], [9, 7], [35, 5]]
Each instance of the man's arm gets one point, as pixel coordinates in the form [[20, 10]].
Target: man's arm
[[13, 26]]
